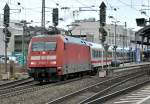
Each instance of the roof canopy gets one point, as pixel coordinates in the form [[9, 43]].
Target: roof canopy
[[145, 31]]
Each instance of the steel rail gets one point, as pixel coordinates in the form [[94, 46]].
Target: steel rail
[[103, 92], [35, 88], [117, 93], [21, 87], [15, 83], [102, 84]]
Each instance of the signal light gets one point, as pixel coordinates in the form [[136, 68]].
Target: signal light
[[102, 14], [6, 15], [104, 34], [103, 39], [7, 34], [55, 16], [7, 39]]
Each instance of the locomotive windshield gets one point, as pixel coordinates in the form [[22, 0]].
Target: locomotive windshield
[[43, 46]]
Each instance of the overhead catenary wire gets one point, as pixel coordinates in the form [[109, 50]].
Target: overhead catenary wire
[[132, 7], [73, 5]]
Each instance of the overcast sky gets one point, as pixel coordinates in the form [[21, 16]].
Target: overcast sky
[[121, 10]]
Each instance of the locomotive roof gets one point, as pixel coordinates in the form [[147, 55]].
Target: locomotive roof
[[42, 36], [69, 39], [95, 45]]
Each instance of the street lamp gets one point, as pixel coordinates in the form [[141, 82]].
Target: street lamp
[[131, 45], [24, 23], [115, 45]]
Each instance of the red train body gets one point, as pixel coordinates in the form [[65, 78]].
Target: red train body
[[53, 57]]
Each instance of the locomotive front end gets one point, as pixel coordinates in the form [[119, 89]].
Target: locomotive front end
[[42, 58]]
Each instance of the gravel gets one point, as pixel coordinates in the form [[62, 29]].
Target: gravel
[[51, 93]]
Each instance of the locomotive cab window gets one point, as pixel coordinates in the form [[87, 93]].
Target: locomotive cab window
[[50, 46], [43, 46]]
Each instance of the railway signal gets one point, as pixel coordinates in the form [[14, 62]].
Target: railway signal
[[55, 16], [102, 14], [104, 34], [103, 22], [6, 31], [7, 35], [6, 15]]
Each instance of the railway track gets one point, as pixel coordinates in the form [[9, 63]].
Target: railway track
[[15, 83], [22, 90], [90, 93], [17, 88], [115, 93], [31, 87], [112, 90]]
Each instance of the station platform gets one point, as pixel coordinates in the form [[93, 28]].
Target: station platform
[[145, 101], [140, 96], [133, 64]]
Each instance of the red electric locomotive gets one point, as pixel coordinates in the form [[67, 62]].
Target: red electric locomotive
[[56, 56]]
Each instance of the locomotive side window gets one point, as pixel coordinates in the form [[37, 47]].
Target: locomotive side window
[[96, 53], [43, 46]]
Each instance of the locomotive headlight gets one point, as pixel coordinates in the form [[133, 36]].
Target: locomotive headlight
[[59, 67], [53, 62], [35, 57], [53, 57], [32, 63]]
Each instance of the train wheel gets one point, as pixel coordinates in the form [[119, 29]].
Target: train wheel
[[81, 74], [62, 78], [42, 82], [93, 72]]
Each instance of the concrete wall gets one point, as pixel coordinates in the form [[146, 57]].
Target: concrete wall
[[15, 29]]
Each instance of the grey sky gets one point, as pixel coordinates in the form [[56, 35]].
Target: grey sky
[[126, 10]]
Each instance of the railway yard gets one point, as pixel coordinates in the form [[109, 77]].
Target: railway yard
[[79, 52], [86, 89]]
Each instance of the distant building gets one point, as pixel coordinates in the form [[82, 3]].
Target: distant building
[[29, 33], [15, 28], [89, 30]]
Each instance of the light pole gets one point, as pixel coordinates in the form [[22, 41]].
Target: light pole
[[24, 23], [115, 43], [115, 46], [131, 45], [106, 46], [115, 33], [123, 45], [43, 16], [124, 36]]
